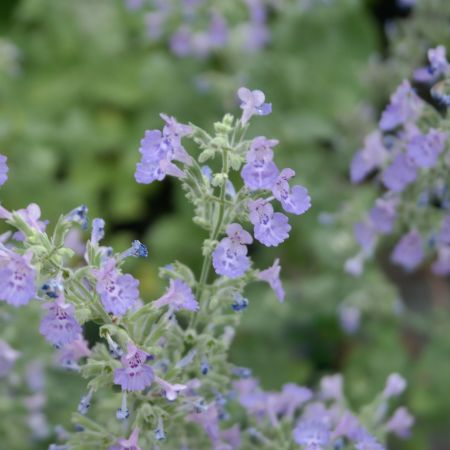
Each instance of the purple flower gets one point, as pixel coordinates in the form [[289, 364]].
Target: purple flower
[[370, 158], [404, 107], [260, 172], [31, 215], [17, 277], [230, 256], [400, 173], [424, 149], [395, 385], [171, 391], [291, 398], [218, 33], [400, 423], [349, 318], [438, 60], [59, 326], [312, 434], [270, 228], [160, 149], [331, 387], [69, 355], [295, 200], [8, 357], [178, 296], [441, 266], [181, 42], [409, 251], [355, 266], [3, 169], [134, 375], [365, 441], [272, 276], [383, 215], [118, 292], [128, 444], [252, 102], [365, 235], [98, 231]]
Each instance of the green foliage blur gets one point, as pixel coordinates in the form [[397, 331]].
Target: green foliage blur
[[79, 84]]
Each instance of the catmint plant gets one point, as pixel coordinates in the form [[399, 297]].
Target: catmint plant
[[159, 375], [408, 156], [200, 28]]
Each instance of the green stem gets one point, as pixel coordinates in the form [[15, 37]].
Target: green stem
[[206, 266]]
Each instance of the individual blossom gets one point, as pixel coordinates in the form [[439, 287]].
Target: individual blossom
[[17, 277], [272, 276], [30, 215], [160, 149], [383, 215], [98, 231], [365, 235], [370, 158], [331, 387], [355, 265], [260, 172], [400, 173], [349, 318], [270, 228], [59, 326], [69, 355], [128, 444], [400, 423], [78, 215], [405, 106], [295, 200], [118, 292], [171, 391], [365, 441], [3, 169], [253, 102], [395, 385], [290, 399], [409, 251], [438, 60], [312, 434], [424, 149], [135, 374], [8, 357], [178, 296], [230, 256]]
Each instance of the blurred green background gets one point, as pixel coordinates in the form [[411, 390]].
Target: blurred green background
[[79, 84]]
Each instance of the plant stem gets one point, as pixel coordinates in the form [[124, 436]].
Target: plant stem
[[206, 266]]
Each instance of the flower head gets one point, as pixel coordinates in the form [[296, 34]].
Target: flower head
[[400, 423], [311, 434], [135, 374], [409, 251], [118, 292], [230, 256], [400, 173], [178, 296], [128, 444], [405, 106], [8, 357], [424, 149], [270, 228], [383, 215], [260, 172], [272, 276], [59, 325], [17, 277], [3, 169], [395, 385], [252, 102], [295, 200], [368, 159]]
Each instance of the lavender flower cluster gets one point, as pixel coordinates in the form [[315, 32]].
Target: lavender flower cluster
[[200, 27], [163, 365], [408, 155]]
